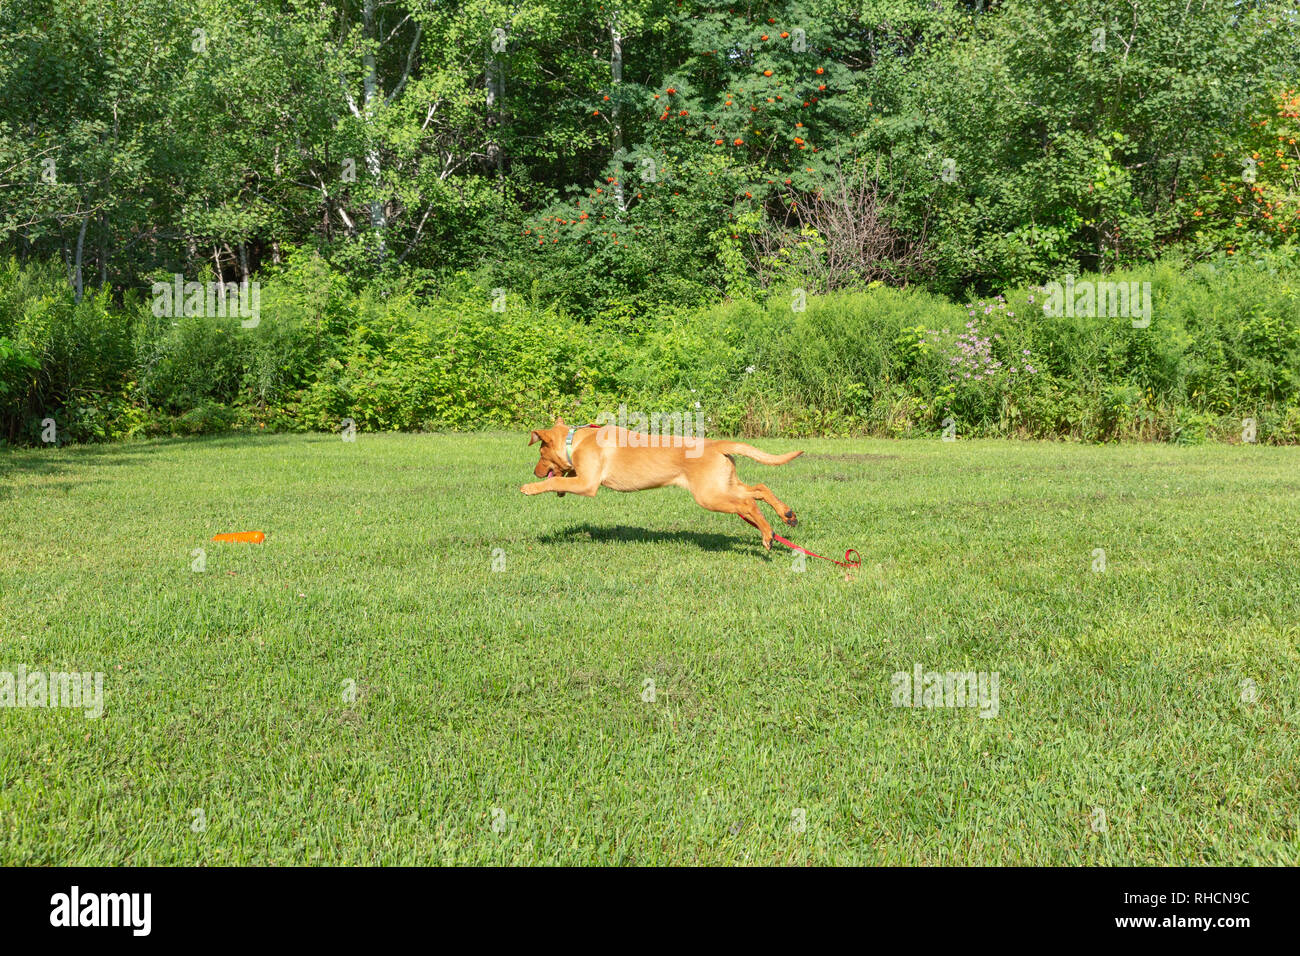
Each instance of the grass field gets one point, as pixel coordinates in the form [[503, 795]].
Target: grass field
[[1147, 713]]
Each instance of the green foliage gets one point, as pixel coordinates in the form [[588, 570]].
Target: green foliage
[[1248, 200], [645, 155], [454, 363], [17, 366], [1222, 346], [59, 358]]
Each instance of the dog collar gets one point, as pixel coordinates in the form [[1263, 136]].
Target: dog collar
[[568, 441]]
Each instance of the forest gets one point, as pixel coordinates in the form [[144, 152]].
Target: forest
[[813, 217]]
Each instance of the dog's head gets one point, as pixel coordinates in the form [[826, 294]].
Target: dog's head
[[553, 460]]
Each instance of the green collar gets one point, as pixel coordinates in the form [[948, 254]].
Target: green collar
[[568, 445]]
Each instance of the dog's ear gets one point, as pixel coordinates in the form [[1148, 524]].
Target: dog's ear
[[559, 423], [534, 438]]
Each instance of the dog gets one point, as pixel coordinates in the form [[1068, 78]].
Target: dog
[[583, 459]]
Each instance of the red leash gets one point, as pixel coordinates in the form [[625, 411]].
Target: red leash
[[848, 562]]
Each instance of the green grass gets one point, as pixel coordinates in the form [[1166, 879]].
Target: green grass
[[522, 689]]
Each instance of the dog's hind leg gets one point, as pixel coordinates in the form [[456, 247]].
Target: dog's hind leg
[[734, 501], [745, 507], [755, 518], [749, 513], [764, 493], [716, 487]]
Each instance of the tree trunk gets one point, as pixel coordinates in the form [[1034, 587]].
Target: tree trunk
[[103, 250], [616, 74], [378, 212], [496, 98], [76, 269]]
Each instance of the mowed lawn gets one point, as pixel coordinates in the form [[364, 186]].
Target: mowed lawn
[[364, 687]]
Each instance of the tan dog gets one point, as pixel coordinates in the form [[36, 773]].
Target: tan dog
[[621, 460]]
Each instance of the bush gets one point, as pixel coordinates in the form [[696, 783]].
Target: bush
[[1222, 346], [59, 359]]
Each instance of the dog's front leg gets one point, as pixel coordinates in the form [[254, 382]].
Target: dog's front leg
[[575, 485]]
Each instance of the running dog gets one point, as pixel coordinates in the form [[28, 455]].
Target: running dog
[[581, 459]]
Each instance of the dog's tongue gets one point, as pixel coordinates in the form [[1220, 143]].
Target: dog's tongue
[[549, 472]]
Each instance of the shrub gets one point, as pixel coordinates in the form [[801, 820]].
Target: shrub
[[1223, 345], [59, 358]]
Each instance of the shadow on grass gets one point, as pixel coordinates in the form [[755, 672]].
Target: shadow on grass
[[47, 463], [702, 540]]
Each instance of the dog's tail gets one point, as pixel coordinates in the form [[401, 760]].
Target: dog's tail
[[749, 451]]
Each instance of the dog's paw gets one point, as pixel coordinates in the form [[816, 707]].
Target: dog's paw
[[790, 519], [532, 488]]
